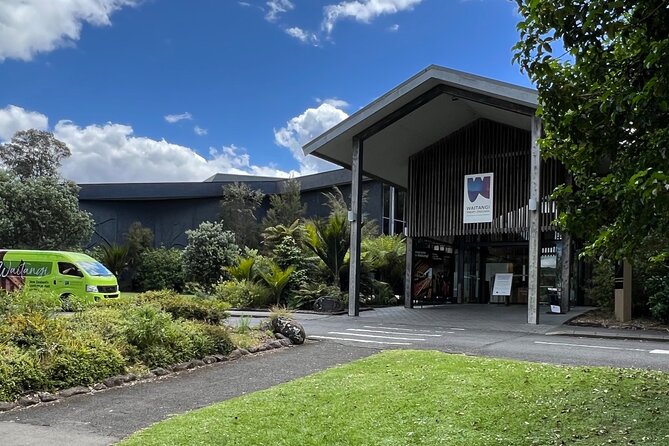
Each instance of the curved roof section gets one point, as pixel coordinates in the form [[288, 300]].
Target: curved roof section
[[419, 112]]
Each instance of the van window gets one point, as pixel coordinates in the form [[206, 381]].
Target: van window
[[69, 269], [95, 269]]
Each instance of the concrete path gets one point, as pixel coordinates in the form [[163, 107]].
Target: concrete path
[[106, 417]]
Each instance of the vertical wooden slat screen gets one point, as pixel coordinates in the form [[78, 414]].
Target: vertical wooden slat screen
[[436, 182]]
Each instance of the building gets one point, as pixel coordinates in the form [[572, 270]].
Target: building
[[464, 149], [170, 209]]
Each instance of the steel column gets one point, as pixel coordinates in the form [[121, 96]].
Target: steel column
[[535, 225], [355, 217], [565, 275]]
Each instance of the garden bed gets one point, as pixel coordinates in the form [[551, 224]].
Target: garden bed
[[606, 319]]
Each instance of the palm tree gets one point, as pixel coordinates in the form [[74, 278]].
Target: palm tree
[[116, 258], [329, 240]]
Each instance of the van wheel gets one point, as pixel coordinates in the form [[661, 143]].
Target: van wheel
[[65, 302]]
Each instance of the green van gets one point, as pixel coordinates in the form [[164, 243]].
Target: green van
[[64, 273]]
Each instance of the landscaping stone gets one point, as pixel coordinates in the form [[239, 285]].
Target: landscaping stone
[[196, 363], [276, 344], [148, 375], [235, 354], [114, 381], [285, 342], [159, 371], [253, 349], [7, 405], [99, 386], [46, 397], [28, 400], [291, 329], [130, 377], [243, 351], [220, 358], [279, 336], [328, 304], [180, 367], [78, 390], [209, 359], [262, 347]]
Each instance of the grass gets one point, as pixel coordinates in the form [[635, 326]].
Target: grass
[[432, 398]]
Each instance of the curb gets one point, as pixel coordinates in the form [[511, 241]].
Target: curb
[[630, 337]]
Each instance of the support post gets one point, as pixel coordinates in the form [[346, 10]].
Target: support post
[[355, 216], [391, 210], [623, 298], [408, 275], [535, 225], [565, 274]]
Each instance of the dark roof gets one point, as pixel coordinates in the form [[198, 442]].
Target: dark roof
[[206, 189]]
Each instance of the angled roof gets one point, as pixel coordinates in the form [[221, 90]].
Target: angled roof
[[417, 113]]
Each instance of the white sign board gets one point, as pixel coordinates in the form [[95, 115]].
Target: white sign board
[[502, 285], [478, 198]]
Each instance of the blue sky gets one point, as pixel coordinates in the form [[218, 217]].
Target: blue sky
[[176, 90]]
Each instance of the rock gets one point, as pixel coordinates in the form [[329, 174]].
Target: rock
[[7, 405], [196, 363], [159, 371], [130, 377], [279, 336], [99, 386], [235, 354], [114, 381], [209, 359], [147, 376], [243, 351], [28, 400], [78, 390], [276, 344], [264, 325], [253, 349], [291, 329], [46, 397], [328, 304], [220, 358], [285, 342], [181, 367], [262, 347]]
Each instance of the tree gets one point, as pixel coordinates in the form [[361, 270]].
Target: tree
[[238, 213], [33, 154], [604, 103], [286, 207], [138, 239], [41, 213], [209, 251]]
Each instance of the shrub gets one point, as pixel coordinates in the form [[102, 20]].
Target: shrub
[[658, 301], [159, 269], [20, 371], [305, 297], [208, 310], [243, 294], [33, 330], [602, 285], [29, 301], [210, 249], [83, 360]]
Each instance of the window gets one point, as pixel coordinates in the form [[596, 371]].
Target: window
[[393, 201], [69, 269]]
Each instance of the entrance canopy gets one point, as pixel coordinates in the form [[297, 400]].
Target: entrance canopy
[[432, 104]]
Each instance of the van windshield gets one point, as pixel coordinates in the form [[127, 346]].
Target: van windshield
[[95, 269]]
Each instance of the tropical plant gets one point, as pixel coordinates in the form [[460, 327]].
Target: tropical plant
[[286, 207], [386, 255], [239, 206], [277, 279], [274, 235], [329, 240], [244, 269], [115, 258]]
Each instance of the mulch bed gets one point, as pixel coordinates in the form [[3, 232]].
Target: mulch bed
[[602, 318]]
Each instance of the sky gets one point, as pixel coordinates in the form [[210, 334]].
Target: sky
[[178, 90]]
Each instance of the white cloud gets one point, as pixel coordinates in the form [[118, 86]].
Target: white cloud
[[302, 35], [394, 28], [278, 7], [13, 119], [111, 153], [199, 131], [172, 119], [305, 127], [363, 10], [335, 102], [28, 27]]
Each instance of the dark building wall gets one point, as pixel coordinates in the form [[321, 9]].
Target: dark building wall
[[171, 209]]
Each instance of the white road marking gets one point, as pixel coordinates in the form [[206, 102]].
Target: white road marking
[[592, 346], [393, 332], [374, 336], [414, 330], [366, 341], [660, 352]]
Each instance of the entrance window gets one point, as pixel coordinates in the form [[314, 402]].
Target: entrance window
[[393, 203]]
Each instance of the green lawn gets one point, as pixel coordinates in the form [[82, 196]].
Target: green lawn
[[432, 398]]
